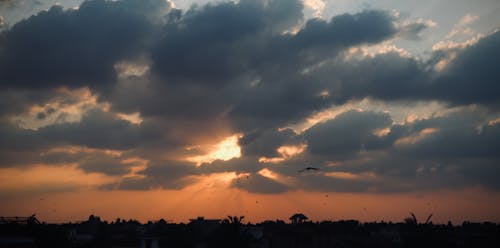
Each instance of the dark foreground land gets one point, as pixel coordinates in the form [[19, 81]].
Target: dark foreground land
[[232, 232]]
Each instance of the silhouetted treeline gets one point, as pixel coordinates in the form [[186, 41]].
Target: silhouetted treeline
[[235, 232]]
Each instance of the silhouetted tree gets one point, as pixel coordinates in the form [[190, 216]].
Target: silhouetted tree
[[412, 219], [417, 234], [235, 220], [298, 218]]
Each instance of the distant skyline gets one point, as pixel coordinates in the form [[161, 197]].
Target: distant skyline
[[153, 109]]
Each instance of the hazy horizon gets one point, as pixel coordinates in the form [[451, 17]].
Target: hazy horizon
[[454, 206]]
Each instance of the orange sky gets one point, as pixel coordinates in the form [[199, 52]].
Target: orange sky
[[213, 199], [66, 193]]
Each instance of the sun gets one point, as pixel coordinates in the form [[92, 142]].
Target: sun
[[225, 150]]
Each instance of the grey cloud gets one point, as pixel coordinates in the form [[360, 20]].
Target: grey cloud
[[15, 138], [469, 77], [19, 101], [149, 183], [457, 160], [91, 161], [239, 165], [104, 164], [472, 77], [97, 161], [207, 56], [348, 29], [258, 184], [72, 51], [19, 158], [387, 76], [321, 182], [41, 115], [8, 3], [455, 157], [99, 130], [242, 48], [208, 44], [462, 153], [96, 130], [275, 103], [233, 65], [215, 71], [265, 143], [413, 30], [160, 175], [348, 133], [478, 172], [464, 134], [396, 173]]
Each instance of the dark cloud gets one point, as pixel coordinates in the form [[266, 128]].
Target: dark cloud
[[19, 158], [72, 47], [283, 93], [345, 30], [108, 165], [209, 44], [230, 60], [15, 138], [259, 184], [88, 160], [459, 152], [164, 175], [248, 67], [41, 115], [19, 101], [265, 143], [322, 182], [348, 133], [97, 130], [464, 134], [467, 78], [386, 76], [472, 76]]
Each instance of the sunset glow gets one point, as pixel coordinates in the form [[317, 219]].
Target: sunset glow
[[226, 150], [285, 153], [259, 108]]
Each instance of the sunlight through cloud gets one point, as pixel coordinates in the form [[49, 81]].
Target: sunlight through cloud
[[225, 150], [285, 152]]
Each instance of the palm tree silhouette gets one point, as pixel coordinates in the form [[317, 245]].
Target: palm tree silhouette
[[235, 220], [412, 219]]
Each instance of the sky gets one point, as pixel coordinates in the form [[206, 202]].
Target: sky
[[152, 109]]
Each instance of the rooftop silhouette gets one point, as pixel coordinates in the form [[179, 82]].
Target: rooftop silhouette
[[233, 231]]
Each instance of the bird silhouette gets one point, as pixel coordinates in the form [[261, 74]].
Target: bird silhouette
[[308, 169]]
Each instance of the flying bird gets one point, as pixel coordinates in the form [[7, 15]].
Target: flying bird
[[308, 169]]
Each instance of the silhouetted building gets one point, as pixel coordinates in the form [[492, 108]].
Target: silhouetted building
[[16, 231], [201, 232]]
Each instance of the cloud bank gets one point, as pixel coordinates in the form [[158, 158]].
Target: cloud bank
[[111, 83]]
